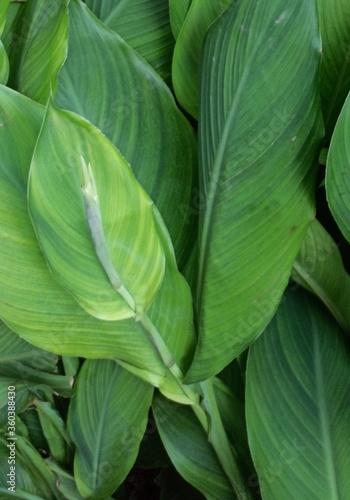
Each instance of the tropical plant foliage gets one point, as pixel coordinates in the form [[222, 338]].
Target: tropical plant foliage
[[170, 306]]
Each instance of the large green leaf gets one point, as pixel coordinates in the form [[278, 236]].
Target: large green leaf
[[298, 404], [201, 14], [35, 306], [43, 43], [94, 222], [338, 171], [130, 104], [178, 12], [334, 18], [319, 268], [144, 25], [260, 130], [107, 420], [189, 449], [4, 63]]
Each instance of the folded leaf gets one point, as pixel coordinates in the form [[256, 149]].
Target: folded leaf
[[298, 404], [319, 268], [41, 56], [133, 107], [107, 420], [334, 18], [94, 222], [259, 138], [178, 12], [338, 171], [144, 25], [185, 71]]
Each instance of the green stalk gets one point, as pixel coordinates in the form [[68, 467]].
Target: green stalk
[[218, 438]]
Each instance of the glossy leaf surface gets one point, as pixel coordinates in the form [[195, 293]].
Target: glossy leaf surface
[[259, 137], [107, 420], [298, 403]]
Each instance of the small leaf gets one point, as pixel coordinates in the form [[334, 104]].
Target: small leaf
[[107, 420], [319, 268], [338, 171], [298, 404]]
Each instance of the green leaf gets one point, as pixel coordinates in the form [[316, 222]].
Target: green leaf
[[178, 12], [144, 25], [201, 14], [4, 65], [54, 431], [65, 482], [107, 420], [94, 222], [43, 38], [35, 306], [298, 404], [338, 171], [259, 140], [4, 5], [334, 19], [189, 449], [319, 268], [133, 107]]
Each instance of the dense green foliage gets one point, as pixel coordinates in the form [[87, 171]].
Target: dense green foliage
[[170, 306]]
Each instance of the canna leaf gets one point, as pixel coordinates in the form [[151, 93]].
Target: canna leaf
[[319, 268], [298, 404], [35, 306], [41, 56], [144, 25], [133, 107], [107, 420], [178, 12], [185, 71], [94, 222], [338, 171], [334, 19], [259, 139], [4, 62]]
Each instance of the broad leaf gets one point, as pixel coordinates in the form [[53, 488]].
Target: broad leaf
[[178, 12], [94, 222], [107, 420], [131, 104], [41, 55], [338, 171], [144, 25], [259, 139], [319, 268], [334, 18], [201, 14], [298, 404], [35, 306], [189, 449]]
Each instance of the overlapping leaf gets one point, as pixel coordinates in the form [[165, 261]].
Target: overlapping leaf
[[260, 130], [185, 70], [77, 228], [188, 447], [178, 12], [107, 420], [33, 303], [319, 268], [4, 63], [106, 81], [334, 18], [338, 171], [41, 56], [144, 25], [298, 404]]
